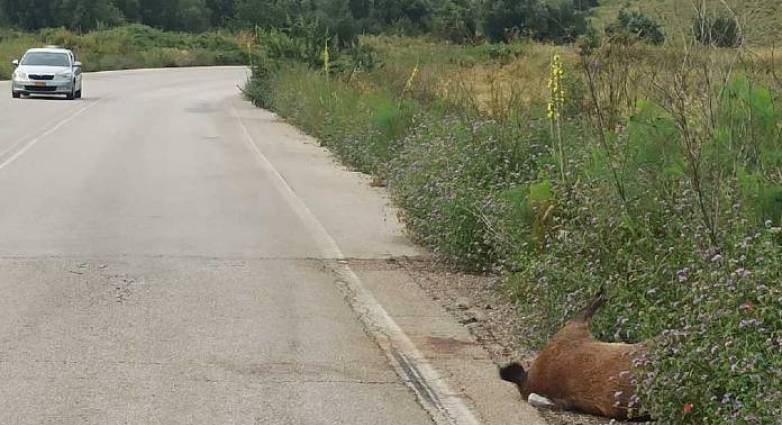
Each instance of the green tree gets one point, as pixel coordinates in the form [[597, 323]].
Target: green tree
[[416, 14], [456, 20], [336, 19], [221, 11], [552, 20], [73, 14], [504, 19], [85, 14], [271, 13], [561, 21], [192, 15], [28, 14], [179, 15], [361, 9], [131, 9]]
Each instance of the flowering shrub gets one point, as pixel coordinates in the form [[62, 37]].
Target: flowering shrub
[[724, 354]]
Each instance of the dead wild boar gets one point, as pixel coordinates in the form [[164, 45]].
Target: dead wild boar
[[577, 372]]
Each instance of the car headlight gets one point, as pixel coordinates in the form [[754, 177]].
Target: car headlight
[[18, 75], [65, 75]]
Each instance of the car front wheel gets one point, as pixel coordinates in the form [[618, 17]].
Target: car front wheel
[[16, 95]]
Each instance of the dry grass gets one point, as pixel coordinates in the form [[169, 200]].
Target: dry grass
[[492, 78], [498, 87]]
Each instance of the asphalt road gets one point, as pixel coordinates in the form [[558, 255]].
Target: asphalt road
[[164, 252]]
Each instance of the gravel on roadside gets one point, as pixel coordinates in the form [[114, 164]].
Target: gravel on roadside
[[476, 300]]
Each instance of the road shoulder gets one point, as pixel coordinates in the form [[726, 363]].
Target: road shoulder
[[445, 341], [452, 375]]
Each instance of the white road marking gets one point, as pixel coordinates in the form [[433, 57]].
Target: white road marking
[[43, 135], [433, 393]]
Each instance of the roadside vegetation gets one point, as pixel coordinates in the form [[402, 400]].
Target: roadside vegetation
[[124, 34], [128, 47], [645, 158]]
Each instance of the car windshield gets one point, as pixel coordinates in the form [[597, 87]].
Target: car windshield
[[46, 59]]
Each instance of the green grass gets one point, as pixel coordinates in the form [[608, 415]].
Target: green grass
[[761, 19], [127, 47]]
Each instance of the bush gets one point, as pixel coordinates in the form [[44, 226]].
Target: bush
[[723, 354], [451, 174], [259, 88], [504, 53], [721, 31], [12, 46], [634, 25], [307, 42], [357, 58]]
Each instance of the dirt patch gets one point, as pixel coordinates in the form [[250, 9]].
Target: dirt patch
[[448, 345]]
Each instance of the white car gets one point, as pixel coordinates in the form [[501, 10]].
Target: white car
[[49, 71]]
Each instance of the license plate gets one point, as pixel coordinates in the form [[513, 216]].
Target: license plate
[[39, 83]]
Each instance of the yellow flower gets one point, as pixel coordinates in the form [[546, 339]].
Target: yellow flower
[[556, 89], [411, 80]]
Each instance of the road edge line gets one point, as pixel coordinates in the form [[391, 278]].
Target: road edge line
[[444, 405]]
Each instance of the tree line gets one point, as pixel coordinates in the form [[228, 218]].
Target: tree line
[[458, 20]]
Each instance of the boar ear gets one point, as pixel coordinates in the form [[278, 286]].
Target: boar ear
[[513, 372]]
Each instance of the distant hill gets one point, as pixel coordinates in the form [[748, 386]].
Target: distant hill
[[761, 19]]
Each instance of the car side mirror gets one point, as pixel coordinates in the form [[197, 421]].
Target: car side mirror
[[77, 64], [15, 62]]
